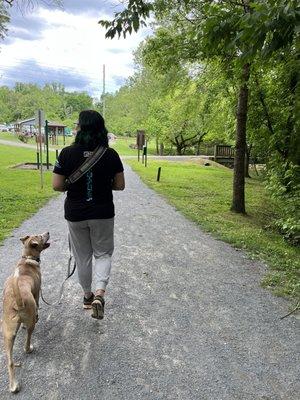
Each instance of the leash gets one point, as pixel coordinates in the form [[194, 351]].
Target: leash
[[69, 274]]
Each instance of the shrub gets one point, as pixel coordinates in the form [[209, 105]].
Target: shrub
[[23, 137], [284, 187]]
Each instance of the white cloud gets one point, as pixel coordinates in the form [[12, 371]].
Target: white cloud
[[73, 42]]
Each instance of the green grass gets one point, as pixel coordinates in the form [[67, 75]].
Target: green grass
[[203, 194], [8, 136], [13, 138], [20, 192], [121, 145]]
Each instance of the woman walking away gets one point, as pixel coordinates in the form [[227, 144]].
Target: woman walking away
[[89, 207]]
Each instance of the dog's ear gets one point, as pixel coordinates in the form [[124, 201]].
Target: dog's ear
[[34, 244], [23, 239]]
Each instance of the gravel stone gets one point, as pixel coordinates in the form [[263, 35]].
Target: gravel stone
[[185, 316]]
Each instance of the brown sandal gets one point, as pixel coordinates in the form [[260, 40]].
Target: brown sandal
[[98, 307]]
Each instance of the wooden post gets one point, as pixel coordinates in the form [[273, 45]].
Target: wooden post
[[145, 153], [47, 143], [40, 122], [158, 174], [215, 152]]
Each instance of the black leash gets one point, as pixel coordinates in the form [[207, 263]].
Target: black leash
[[69, 274]]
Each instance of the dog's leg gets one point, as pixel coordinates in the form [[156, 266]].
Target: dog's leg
[[29, 347], [14, 386], [37, 299]]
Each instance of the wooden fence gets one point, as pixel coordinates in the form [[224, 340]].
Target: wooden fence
[[224, 154]]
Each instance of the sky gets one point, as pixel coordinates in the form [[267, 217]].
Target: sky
[[67, 45]]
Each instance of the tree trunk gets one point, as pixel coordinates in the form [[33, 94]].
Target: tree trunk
[[238, 198], [247, 161], [161, 149], [198, 146], [157, 145], [178, 150]]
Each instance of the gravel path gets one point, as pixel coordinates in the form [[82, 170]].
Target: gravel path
[[185, 317], [17, 144]]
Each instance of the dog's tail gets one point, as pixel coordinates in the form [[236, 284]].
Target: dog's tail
[[17, 293]]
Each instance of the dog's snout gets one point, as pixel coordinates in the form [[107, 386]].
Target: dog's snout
[[46, 236]]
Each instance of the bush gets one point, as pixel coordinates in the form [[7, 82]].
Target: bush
[[23, 137], [284, 187]]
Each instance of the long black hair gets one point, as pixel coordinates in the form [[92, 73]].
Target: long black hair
[[92, 131]]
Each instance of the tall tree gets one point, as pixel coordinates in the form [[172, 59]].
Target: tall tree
[[236, 32]]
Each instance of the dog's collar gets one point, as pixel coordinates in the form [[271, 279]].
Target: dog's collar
[[32, 258]]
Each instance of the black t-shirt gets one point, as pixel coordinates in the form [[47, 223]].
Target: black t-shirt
[[91, 196]]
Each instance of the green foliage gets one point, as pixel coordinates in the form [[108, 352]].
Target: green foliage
[[129, 20], [24, 99], [23, 138], [4, 19], [284, 187]]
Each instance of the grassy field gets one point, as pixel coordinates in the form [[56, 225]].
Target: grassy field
[[20, 192], [121, 145], [12, 137], [203, 194]]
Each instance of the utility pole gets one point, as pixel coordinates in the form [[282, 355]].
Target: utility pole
[[103, 93]]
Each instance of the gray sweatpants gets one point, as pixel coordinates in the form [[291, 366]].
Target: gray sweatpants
[[93, 237]]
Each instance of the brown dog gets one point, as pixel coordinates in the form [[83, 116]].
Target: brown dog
[[21, 299]]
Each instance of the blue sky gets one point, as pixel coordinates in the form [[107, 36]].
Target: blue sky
[[67, 45]]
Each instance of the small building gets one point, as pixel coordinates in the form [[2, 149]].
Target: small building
[[56, 128], [28, 126]]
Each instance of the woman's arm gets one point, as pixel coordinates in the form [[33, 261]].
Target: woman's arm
[[118, 181], [58, 182]]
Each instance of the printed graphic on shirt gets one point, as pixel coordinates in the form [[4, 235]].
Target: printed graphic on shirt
[[57, 164], [89, 186]]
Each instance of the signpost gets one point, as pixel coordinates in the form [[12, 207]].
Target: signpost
[[47, 143], [39, 122]]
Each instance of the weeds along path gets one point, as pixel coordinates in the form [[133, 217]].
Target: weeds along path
[[185, 316]]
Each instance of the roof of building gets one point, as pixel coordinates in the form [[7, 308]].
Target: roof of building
[[58, 124], [31, 121]]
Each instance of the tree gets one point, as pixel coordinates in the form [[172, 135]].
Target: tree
[[4, 19], [237, 33]]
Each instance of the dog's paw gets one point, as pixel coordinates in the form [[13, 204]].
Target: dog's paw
[[15, 388], [29, 349]]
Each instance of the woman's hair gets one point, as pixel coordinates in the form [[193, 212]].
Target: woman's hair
[[92, 131]]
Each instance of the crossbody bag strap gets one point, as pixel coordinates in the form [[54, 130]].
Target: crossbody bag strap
[[87, 165]]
